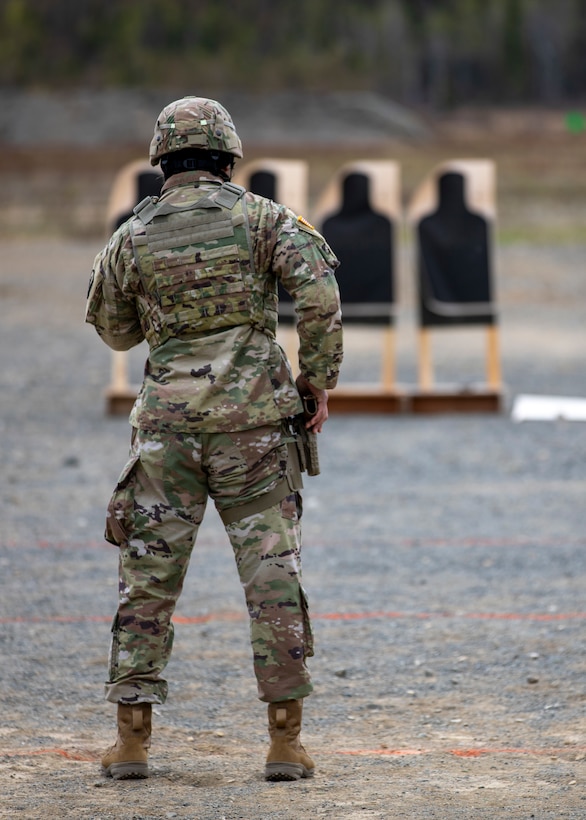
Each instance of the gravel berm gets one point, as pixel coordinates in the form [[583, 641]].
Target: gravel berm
[[444, 559]]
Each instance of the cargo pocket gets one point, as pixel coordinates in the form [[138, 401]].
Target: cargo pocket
[[292, 507], [114, 650], [307, 630], [120, 512]]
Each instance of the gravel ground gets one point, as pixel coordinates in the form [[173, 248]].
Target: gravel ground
[[444, 558]]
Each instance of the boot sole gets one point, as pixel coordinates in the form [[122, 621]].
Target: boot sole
[[286, 771], [128, 771]]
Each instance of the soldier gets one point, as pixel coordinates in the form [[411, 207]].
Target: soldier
[[195, 273]]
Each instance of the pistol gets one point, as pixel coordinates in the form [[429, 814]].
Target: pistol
[[307, 440]]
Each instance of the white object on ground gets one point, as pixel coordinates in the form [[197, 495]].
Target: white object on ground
[[548, 408]]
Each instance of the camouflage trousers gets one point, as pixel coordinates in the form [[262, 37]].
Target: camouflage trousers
[[153, 517]]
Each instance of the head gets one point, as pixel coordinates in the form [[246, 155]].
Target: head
[[195, 133]]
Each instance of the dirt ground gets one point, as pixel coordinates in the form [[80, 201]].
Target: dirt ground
[[444, 559]]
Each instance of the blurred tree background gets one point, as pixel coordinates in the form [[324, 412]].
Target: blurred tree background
[[437, 53]]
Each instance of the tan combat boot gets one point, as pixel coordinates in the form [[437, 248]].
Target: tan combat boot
[[127, 759], [287, 759]]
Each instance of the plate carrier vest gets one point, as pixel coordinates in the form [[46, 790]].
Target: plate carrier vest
[[196, 267]]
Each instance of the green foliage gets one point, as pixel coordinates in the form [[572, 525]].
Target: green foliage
[[20, 39], [438, 52]]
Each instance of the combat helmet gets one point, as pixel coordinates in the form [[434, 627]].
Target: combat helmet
[[194, 122]]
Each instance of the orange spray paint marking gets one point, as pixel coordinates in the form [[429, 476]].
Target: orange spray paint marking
[[468, 753], [86, 757]]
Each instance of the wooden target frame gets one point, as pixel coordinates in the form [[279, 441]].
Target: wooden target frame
[[384, 177], [480, 195], [291, 180]]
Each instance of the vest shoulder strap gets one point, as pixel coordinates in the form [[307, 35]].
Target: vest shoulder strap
[[229, 194], [146, 209], [227, 197]]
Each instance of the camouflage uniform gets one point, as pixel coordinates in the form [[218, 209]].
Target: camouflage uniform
[[211, 418]]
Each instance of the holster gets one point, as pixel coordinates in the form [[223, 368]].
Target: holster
[[305, 440], [307, 447]]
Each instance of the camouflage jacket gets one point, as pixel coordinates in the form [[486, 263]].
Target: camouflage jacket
[[236, 378]]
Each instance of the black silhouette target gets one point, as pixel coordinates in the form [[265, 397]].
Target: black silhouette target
[[264, 183], [454, 266], [362, 239]]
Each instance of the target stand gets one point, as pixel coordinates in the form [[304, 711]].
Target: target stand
[[452, 215], [359, 214]]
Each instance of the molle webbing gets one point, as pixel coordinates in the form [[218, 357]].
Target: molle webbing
[[190, 229], [197, 267]]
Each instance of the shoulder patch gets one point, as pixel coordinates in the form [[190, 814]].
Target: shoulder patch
[[304, 221]]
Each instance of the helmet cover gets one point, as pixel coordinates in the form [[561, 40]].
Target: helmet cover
[[194, 122]]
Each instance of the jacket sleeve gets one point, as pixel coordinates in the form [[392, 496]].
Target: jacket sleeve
[[109, 308], [305, 264]]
